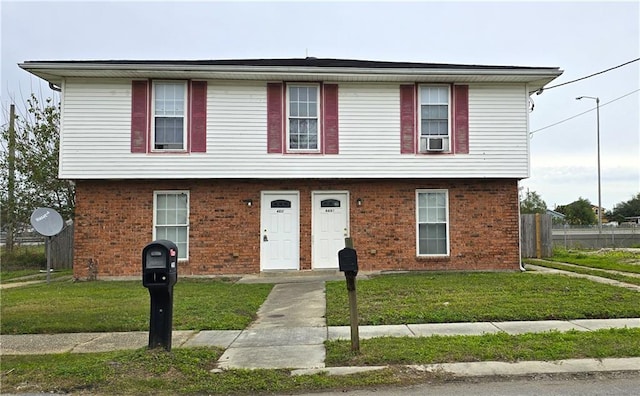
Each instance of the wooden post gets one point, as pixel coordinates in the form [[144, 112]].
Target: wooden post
[[353, 303], [49, 259], [353, 313]]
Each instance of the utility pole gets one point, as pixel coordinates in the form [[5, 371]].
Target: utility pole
[[11, 183]]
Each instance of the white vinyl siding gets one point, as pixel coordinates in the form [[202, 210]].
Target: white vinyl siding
[[96, 136], [171, 219]]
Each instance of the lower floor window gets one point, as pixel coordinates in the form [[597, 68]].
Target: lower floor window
[[432, 222], [171, 219]]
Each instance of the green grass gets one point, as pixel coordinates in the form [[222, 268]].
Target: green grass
[[182, 371], [478, 297], [389, 299], [68, 307], [618, 260], [186, 371], [490, 347], [585, 271], [23, 257], [25, 275]]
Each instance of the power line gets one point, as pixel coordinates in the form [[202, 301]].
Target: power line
[[584, 112], [539, 91]]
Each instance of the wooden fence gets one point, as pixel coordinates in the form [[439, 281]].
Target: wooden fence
[[61, 248], [536, 235]]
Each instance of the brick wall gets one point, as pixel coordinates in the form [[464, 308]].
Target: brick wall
[[114, 221]]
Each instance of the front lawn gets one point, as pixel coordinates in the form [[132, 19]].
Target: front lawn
[[70, 307], [502, 347], [183, 371], [478, 297], [625, 260], [187, 371]]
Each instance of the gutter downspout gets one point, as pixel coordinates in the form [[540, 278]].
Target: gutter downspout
[[522, 269], [55, 87]]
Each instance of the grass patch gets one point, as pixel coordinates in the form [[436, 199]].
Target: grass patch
[[182, 371], [199, 304], [186, 371], [25, 275], [490, 347], [478, 297], [23, 257], [618, 260], [585, 271]]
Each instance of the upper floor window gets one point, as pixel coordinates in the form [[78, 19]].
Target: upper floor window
[[302, 118], [169, 115], [434, 118], [303, 110]]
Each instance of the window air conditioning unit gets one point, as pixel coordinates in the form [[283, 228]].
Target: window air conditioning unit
[[429, 143]]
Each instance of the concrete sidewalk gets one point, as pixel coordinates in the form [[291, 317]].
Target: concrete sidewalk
[[290, 332], [251, 338]]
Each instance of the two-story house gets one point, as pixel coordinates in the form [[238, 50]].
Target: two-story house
[[268, 164]]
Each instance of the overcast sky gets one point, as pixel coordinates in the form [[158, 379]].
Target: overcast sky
[[581, 38]]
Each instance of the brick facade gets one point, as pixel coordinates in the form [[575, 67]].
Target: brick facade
[[114, 221]]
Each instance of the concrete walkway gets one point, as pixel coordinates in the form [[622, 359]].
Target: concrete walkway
[[249, 340], [290, 331]]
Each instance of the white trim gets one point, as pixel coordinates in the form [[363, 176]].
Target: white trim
[[527, 98], [263, 211], [347, 209], [318, 117], [61, 136], [448, 224], [185, 113], [188, 225], [55, 71], [447, 138]]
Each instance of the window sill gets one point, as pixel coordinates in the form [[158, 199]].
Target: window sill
[[302, 152], [169, 152], [435, 257]]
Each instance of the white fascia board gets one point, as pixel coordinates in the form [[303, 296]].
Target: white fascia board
[[54, 72]]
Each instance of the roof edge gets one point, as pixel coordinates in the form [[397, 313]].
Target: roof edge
[[282, 62]]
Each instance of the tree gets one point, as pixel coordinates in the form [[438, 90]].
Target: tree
[[578, 212], [628, 208], [532, 203], [37, 144]]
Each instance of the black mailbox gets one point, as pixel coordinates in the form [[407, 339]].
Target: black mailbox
[[159, 274], [348, 260], [160, 264]]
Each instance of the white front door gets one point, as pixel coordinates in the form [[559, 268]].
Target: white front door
[[280, 231], [330, 227]]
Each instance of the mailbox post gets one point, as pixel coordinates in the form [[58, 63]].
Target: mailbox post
[[159, 274], [348, 263]]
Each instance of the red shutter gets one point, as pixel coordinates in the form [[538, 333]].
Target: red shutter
[[139, 116], [461, 118], [407, 119], [198, 117], [274, 117], [330, 120]]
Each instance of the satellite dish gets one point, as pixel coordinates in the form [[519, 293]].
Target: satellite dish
[[46, 221]]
